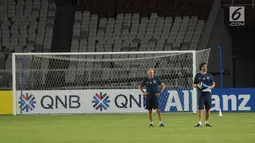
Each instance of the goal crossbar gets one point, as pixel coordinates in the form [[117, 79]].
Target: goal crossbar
[[105, 53]]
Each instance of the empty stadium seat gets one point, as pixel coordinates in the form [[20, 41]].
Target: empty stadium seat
[[128, 29], [129, 32], [26, 26]]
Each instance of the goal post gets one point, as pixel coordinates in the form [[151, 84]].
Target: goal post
[[95, 82]]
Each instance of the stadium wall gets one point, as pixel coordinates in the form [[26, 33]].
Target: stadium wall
[[221, 37], [128, 101], [244, 56], [6, 103], [242, 38]]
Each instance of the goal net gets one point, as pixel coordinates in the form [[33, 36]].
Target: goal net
[[95, 82]]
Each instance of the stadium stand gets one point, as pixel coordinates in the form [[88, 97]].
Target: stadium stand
[[165, 25], [111, 26], [98, 26], [130, 32], [25, 24], [96, 29]]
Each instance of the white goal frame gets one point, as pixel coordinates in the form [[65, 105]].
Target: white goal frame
[[14, 81]]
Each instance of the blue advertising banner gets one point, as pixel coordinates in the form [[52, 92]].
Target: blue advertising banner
[[234, 99], [226, 99]]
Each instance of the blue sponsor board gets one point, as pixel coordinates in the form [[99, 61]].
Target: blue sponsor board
[[226, 99], [234, 99], [176, 100]]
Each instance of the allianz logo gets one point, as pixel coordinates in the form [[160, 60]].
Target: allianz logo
[[184, 100]]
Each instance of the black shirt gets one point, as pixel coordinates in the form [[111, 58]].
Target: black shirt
[[151, 85], [205, 78]]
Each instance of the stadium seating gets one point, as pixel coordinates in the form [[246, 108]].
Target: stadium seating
[[101, 26], [130, 32], [26, 26], [97, 29]]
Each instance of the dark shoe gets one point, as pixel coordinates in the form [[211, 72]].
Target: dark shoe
[[161, 125], [198, 126], [151, 125], [208, 125]]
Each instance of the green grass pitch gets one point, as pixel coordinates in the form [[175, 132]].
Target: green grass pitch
[[126, 128]]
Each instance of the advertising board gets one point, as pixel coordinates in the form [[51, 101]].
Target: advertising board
[[128, 101]]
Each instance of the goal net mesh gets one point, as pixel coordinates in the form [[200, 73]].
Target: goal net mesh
[[116, 71], [104, 71]]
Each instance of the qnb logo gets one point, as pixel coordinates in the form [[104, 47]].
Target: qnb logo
[[101, 101], [236, 16], [27, 102]]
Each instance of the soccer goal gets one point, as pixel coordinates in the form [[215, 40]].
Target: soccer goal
[[101, 82]]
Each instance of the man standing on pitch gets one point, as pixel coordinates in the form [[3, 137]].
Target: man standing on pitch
[[152, 84], [204, 83]]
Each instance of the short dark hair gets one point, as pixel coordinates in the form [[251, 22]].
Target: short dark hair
[[202, 64]]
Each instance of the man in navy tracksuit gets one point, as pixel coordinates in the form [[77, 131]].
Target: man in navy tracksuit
[[152, 84], [204, 83]]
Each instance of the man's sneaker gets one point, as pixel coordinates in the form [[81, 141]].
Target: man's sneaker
[[208, 125], [198, 126], [161, 125], [151, 125]]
